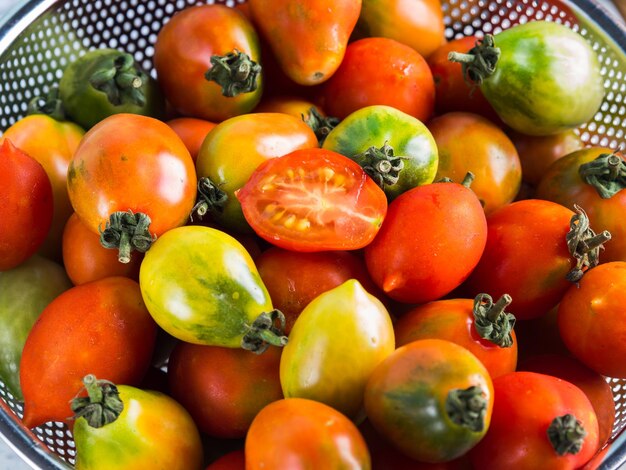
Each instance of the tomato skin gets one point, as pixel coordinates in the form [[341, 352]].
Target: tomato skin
[[327, 25], [468, 142], [182, 55], [229, 160], [101, 327], [380, 71], [406, 396], [192, 132], [451, 226], [524, 406], [25, 206], [592, 319], [223, 389], [132, 162], [292, 105], [345, 206], [234, 460], [453, 320], [52, 143], [300, 433]]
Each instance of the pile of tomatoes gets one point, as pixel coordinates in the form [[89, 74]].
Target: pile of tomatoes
[[322, 237]]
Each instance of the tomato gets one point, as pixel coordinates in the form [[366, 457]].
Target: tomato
[[537, 153], [51, 143], [139, 429], [300, 433], [202, 287], [529, 257], [86, 260], [431, 399], [223, 389], [234, 460], [103, 82], [131, 163], [592, 319], [416, 24], [293, 279], [592, 178], [25, 206], [480, 325], [545, 80], [24, 292], [538, 421], [326, 25], [207, 62], [335, 344], [380, 71], [313, 200], [192, 132], [405, 258], [468, 142], [103, 327], [228, 160], [593, 384], [395, 149]]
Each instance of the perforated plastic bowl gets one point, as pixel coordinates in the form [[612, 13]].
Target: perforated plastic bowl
[[42, 37]]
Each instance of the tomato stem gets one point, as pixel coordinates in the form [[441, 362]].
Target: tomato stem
[[50, 105], [492, 322], [480, 62], [122, 83], [381, 164], [102, 405], [583, 244], [127, 231], [607, 174], [566, 434], [210, 199], [263, 332], [467, 407], [235, 72], [320, 125]]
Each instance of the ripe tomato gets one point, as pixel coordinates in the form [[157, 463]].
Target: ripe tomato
[[192, 132], [300, 433], [405, 258], [313, 200], [25, 206], [538, 421], [235, 460], [380, 71]]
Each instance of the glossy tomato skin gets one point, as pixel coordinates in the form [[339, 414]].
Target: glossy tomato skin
[[453, 320], [404, 259], [380, 71], [592, 319], [406, 398], [228, 159], [182, 55], [468, 142], [563, 184], [302, 433], [313, 200], [101, 327], [25, 206], [132, 162], [316, 364], [376, 126], [525, 405], [192, 132], [223, 388], [294, 106]]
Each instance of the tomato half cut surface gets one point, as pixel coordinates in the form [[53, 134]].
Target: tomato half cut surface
[[313, 200]]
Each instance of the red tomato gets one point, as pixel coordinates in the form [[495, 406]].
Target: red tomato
[[313, 200], [26, 206], [235, 460], [192, 132], [432, 238], [380, 71]]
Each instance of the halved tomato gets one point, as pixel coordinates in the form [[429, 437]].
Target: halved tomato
[[313, 200]]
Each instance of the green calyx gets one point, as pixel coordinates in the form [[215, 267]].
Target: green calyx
[[607, 174], [320, 125], [583, 244], [467, 407], [480, 62], [50, 105], [381, 164], [263, 332], [102, 406], [235, 72], [122, 82], [566, 434], [127, 231], [492, 322], [467, 181], [210, 199]]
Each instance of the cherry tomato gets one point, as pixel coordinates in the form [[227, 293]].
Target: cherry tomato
[[192, 132]]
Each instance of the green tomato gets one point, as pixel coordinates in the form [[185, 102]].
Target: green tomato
[[335, 344], [395, 149], [24, 293], [201, 286]]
